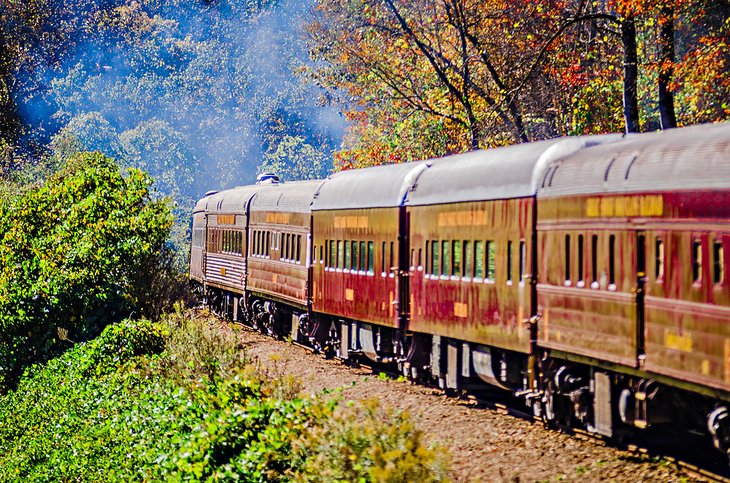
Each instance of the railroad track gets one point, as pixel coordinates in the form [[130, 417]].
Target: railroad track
[[696, 466]]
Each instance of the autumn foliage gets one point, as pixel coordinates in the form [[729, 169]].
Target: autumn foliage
[[430, 77]]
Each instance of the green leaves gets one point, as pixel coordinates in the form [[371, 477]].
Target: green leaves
[[72, 254]]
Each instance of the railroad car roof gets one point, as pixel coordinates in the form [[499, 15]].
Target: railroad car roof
[[230, 201], [696, 157], [201, 205], [499, 173], [376, 187], [290, 197]]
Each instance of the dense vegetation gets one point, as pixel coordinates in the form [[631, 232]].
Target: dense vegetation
[[179, 401], [78, 251], [200, 94]]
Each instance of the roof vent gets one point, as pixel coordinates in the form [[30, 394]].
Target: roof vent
[[211, 192], [265, 178]]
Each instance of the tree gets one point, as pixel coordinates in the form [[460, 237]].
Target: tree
[[295, 159], [72, 254]]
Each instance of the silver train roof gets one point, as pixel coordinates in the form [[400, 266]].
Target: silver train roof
[[696, 157]]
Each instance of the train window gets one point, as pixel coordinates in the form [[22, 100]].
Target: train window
[[363, 257], [509, 261], [567, 260], [353, 255], [383, 256], [696, 261], [659, 259], [491, 260], [522, 260], [718, 262], [299, 249], [456, 267], [445, 258], [321, 258], [340, 254], [468, 259], [580, 280], [268, 243], [479, 259], [348, 255], [413, 258], [435, 257], [391, 266], [293, 248], [371, 257], [612, 262], [428, 257], [285, 248], [333, 254], [253, 242], [594, 261], [420, 259]]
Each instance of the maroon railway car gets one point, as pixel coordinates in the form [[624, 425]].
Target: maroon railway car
[[472, 221], [633, 242], [359, 283], [277, 283]]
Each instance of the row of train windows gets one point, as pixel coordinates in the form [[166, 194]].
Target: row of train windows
[[471, 259], [718, 261], [349, 255], [717, 250], [225, 241], [288, 244]]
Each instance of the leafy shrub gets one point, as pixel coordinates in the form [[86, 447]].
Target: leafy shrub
[[120, 408], [365, 442], [73, 257]]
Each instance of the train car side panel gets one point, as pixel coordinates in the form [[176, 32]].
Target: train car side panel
[[472, 270], [586, 295], [278, 256], [355, 264]]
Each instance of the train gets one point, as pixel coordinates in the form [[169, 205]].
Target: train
[[586, 275]]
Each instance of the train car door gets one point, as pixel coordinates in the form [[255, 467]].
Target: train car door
[[640, 292]]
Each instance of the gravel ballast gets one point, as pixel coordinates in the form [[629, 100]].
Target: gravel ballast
[[485, 445]]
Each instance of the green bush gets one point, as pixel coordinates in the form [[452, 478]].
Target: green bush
[[75, 254], [129, 405], [365, 442]]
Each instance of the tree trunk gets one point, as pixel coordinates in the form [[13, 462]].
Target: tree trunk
[[666, 67], [631, 74]]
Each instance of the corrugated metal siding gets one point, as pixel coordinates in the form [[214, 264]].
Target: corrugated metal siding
[[290, 197], [224, 271], [696, 157], [376, 187]]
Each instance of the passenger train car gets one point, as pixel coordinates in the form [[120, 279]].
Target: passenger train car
[[586, 274]]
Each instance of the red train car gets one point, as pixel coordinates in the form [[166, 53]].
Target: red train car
[[472, 221], [634, 295], [358, 281]]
